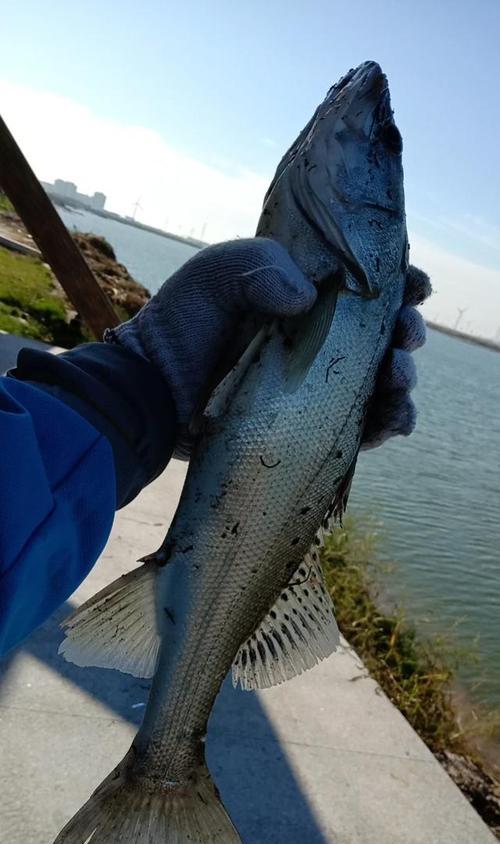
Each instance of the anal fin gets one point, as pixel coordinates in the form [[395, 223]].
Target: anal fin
[[298, 632], [117, 627]]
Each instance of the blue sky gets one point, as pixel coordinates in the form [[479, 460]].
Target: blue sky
[[228, 85]]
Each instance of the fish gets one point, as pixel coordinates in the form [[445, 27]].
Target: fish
[[237, 582]]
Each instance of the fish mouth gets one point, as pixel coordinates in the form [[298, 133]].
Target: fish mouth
[[362, 102], [366, 77]]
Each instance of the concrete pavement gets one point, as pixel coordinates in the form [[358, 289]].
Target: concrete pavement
[[17, 246], [323, 759]]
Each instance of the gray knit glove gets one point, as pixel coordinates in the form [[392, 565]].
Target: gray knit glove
[[194, 323], [392, 411]]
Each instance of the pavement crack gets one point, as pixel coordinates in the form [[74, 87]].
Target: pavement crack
[[283, 742], [59, 712]]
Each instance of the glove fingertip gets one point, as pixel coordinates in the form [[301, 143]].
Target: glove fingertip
[[409, 332], [408, 418], [418, 286], [398, 373], [276, 285], [396, 417], [300, 292], [299, 295]]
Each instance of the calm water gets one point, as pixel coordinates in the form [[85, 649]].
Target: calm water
[[437, 493], [148, 257]]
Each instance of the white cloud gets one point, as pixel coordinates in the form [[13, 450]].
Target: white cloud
[[63, 139], [268, 142], [475, 230], [459, 283]]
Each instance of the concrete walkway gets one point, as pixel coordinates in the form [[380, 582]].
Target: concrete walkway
[[18, 246], [323, 759]]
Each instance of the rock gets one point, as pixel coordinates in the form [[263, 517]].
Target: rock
[[101, 245], [478, 786], [127, 294]]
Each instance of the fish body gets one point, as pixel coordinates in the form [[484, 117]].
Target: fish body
[[237, 581]]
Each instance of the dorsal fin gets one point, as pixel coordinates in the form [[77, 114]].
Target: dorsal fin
[[298, 631]]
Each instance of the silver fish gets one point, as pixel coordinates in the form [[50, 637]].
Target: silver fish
[[237, 581]]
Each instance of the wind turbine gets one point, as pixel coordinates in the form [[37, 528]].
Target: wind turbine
[[136, 205], [461, 312]]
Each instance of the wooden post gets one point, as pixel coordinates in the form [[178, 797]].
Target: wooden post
[[57, 246]]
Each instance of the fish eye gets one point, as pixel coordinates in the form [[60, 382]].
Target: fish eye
[[392, 139]]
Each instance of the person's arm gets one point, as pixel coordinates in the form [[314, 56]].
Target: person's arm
[[54, 518], [78, 441]]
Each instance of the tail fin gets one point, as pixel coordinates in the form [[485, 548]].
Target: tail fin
[[124, 811]]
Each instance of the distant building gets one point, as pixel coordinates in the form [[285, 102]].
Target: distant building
[[67, 191], [99, 201]]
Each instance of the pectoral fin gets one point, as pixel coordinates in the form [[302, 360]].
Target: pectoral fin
[[305, 335]]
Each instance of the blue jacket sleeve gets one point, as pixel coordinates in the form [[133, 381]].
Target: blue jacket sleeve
[[80, 434], [57, 501]]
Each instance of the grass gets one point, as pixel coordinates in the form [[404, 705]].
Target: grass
[[33, 304], [5, 204], [30, 304], [416, 675]]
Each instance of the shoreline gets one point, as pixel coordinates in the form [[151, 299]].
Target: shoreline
[[63, 202], [468, 713], [418, 674], [461, 335]]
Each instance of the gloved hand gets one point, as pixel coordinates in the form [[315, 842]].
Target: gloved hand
[[195, 320], [391, 410]]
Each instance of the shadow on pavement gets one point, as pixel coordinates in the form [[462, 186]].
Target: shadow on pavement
[[251, 768]]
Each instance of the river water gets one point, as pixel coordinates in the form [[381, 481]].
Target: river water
[[149, 258], [436, 494]]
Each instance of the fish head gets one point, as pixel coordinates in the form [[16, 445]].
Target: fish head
[[337, 200]]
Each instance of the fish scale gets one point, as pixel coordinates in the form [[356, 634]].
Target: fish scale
[[237, 581]]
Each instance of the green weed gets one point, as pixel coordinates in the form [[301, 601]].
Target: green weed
[[30, 303], [5, 204], [415, 674]]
